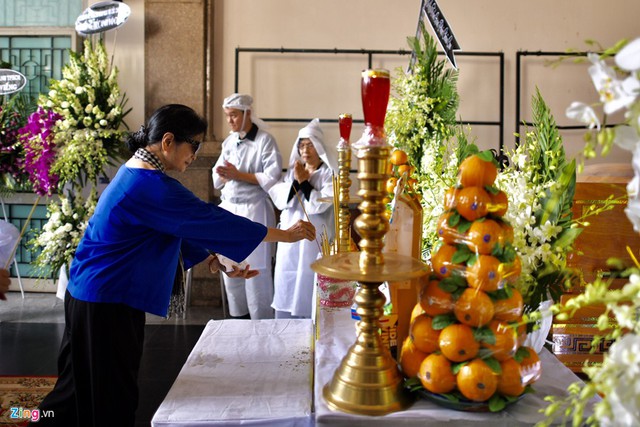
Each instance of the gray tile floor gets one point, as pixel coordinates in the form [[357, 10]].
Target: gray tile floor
[[31, 330]]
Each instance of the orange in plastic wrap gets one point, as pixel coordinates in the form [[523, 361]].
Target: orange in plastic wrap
[[485, 273], [434, 300], [472, 203], [476, 172], [522, 334], [483, 236], [510, 381], [509, 309], [417, 311], [457, 343], [405, 169], [392, 181], [473, 308], [441, 261], [473, 296], [435, 374], [507, 233], [506, 340], [531, 366], [511, 270], [410, 358], [477, 381], [445, 231], [499, 203], [450, 198], [398, 157], [424, 337]]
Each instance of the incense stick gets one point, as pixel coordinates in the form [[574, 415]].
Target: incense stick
[[305, 214], [336, 211]]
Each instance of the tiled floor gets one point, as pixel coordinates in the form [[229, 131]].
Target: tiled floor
[[31, 330]]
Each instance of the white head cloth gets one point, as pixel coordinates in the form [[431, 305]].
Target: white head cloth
[[313, 132], [243, 102]]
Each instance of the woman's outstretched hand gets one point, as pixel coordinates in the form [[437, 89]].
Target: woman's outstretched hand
[[243, 273], [236, 271], [301, 230]]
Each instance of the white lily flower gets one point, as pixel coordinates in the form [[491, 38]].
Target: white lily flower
[[584, 114], [629, 56]]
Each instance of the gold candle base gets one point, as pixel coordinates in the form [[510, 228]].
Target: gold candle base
[[368, 380]]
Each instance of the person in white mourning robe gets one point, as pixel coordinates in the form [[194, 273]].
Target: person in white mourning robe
[[249, 164], [308, 179]]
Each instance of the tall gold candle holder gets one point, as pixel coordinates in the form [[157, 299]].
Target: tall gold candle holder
[[345, 122], [368, 380]]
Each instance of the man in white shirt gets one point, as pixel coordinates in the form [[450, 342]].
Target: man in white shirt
[[249, 164]]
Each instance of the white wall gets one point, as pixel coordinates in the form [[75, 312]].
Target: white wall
[[325, 86]]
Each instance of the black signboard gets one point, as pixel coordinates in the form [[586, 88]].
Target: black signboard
[[442, 29], [11, 81], [103, 16]]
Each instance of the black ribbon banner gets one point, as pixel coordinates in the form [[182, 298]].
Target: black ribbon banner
[[441, 27]]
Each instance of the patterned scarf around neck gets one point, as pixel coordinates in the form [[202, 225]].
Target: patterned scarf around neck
[[149, 157]]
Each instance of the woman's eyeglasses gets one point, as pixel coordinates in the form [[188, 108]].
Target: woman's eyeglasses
[[195, 145]]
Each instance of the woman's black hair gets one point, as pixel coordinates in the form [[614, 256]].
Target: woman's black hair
[[178, 119]]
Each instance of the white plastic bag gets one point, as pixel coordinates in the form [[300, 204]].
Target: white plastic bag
[[9, 235]]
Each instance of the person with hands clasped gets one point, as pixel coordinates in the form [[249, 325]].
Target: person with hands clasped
[[297, 195], [249, 164], [145, 224]]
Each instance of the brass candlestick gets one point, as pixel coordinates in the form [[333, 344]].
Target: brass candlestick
[[344, 165], [368, 380]]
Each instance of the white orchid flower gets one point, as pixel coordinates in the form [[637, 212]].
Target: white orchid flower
[[626, 137], [631, 85], [633, 213], [629, 56], [584, 114], [611, 90], [633, 187]]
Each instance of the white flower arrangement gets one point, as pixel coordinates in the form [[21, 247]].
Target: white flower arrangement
[[421, 120], [63, 230], [87, 137], [540, 184], [617, 379]]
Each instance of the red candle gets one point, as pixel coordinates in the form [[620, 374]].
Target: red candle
[[344, 122], [375, 96]]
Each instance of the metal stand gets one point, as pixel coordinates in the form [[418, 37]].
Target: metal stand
[[14, 262]]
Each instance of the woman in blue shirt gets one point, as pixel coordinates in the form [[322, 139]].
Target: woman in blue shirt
[[126, 263]]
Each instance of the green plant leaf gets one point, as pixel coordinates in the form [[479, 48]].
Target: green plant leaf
[[441, 321]]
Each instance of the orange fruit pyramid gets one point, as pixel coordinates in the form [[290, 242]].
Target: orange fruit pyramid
[[467, 328]]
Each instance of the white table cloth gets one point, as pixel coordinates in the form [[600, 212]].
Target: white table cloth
[[337, 334], [240, 372]]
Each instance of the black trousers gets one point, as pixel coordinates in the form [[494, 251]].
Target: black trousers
[[98, 367]]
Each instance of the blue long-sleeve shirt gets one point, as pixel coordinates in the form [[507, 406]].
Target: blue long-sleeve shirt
[[129, 252]]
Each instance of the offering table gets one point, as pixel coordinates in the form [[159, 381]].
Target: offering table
[[260, 373]]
